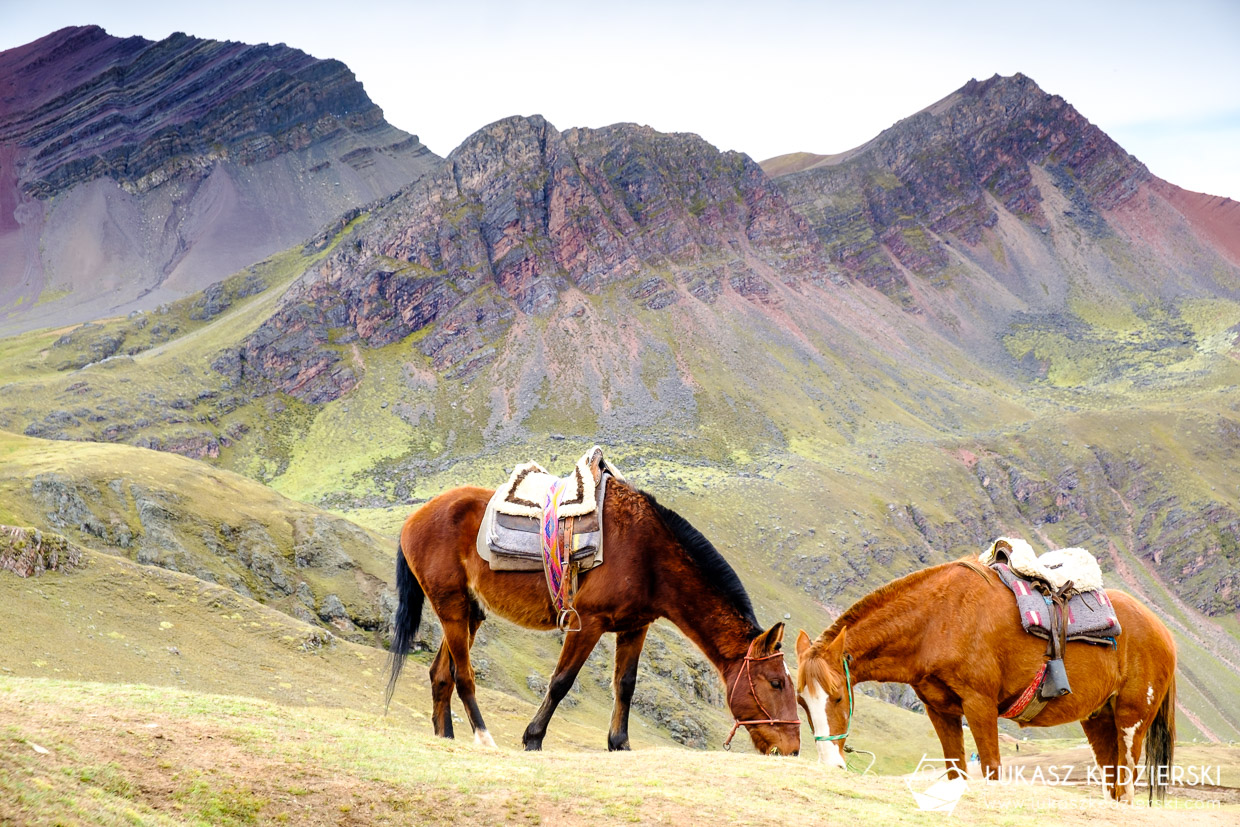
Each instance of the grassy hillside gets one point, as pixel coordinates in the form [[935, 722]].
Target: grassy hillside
[[169, 511], [111, 621], [103, 754]]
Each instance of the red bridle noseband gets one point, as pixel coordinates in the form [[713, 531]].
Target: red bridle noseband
[[737, 723]]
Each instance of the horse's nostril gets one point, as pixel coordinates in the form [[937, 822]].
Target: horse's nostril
[[795, 753]]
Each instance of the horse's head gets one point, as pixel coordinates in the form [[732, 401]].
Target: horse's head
[[762, 698], [823, 690]]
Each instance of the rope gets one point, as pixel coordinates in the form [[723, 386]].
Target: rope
[[868, 766], [848, 726]]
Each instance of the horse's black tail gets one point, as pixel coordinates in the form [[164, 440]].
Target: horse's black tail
[[405, 623], [1160, 745]]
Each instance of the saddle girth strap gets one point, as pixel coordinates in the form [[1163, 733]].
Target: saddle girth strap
[[1027, 706], [568, 596], [1030, 702]]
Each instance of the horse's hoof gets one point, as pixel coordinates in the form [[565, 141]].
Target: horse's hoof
[[617, 746], [533, 746], [483, 739]]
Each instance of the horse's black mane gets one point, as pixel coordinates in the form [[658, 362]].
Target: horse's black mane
[[713, 565]]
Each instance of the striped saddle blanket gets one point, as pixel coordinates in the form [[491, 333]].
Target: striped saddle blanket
[[1091, 617]]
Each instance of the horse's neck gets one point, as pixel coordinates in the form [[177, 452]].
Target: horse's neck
[[707, 618], [883, 642]]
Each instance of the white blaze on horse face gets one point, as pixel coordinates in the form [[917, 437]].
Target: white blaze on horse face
[[1149, 695], [816, 701]]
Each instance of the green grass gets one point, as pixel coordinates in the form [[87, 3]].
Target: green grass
[[143, 755]]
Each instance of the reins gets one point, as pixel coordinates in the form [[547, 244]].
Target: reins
[[736, 722]]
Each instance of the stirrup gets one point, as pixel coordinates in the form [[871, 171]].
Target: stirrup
[[565, 621]]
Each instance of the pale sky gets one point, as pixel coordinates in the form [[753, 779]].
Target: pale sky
[[765, 78]]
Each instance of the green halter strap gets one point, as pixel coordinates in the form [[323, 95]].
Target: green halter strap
[[848, 726]]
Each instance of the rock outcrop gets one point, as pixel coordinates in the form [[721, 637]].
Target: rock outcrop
[[519, 213], [28, 552]]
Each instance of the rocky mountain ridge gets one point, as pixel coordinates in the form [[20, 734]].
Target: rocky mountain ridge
[[132, 171], [519, 213]]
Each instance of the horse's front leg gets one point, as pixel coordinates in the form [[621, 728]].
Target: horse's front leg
[[982, 713], [628, 651], [577, 647], [951, 735]]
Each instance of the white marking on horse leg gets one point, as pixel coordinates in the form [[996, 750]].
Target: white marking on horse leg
[[828, 751], [1130, 766], [483, 739]]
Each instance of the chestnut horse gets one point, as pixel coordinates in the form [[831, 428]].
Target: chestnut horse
[[656, 565], [953, 634]]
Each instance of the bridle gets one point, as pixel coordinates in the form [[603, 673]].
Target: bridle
[[848, 726], [736, 722]]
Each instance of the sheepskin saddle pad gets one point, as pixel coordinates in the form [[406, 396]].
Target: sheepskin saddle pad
[[510, 537], [1091, 617], [525, 493], [1054, 568]]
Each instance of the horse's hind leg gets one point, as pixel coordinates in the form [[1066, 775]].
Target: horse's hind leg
[[460, 620], [577, 647], [442, 681], [1134, 712], [1100, 730], [628, 651]]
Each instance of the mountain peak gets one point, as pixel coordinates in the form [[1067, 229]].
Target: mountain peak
[[992, 147], [97, 121]]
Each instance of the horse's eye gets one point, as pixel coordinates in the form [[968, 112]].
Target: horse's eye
[[777, 684]]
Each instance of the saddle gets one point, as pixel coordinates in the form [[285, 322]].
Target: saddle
[[537, 521], [1059, 597]]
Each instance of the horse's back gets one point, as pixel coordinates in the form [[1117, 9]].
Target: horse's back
[[1140, 625], [452, 505], [1137, 621], [449, 519]]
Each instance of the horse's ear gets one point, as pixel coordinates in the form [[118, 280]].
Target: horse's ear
[[769, 641], [803, 644], [836, 650]]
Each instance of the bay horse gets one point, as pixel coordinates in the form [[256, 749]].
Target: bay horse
[[952, 633], [656, 565]]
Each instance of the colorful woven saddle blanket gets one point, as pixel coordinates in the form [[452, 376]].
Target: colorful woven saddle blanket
[[1091, 617], [536, 521]]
